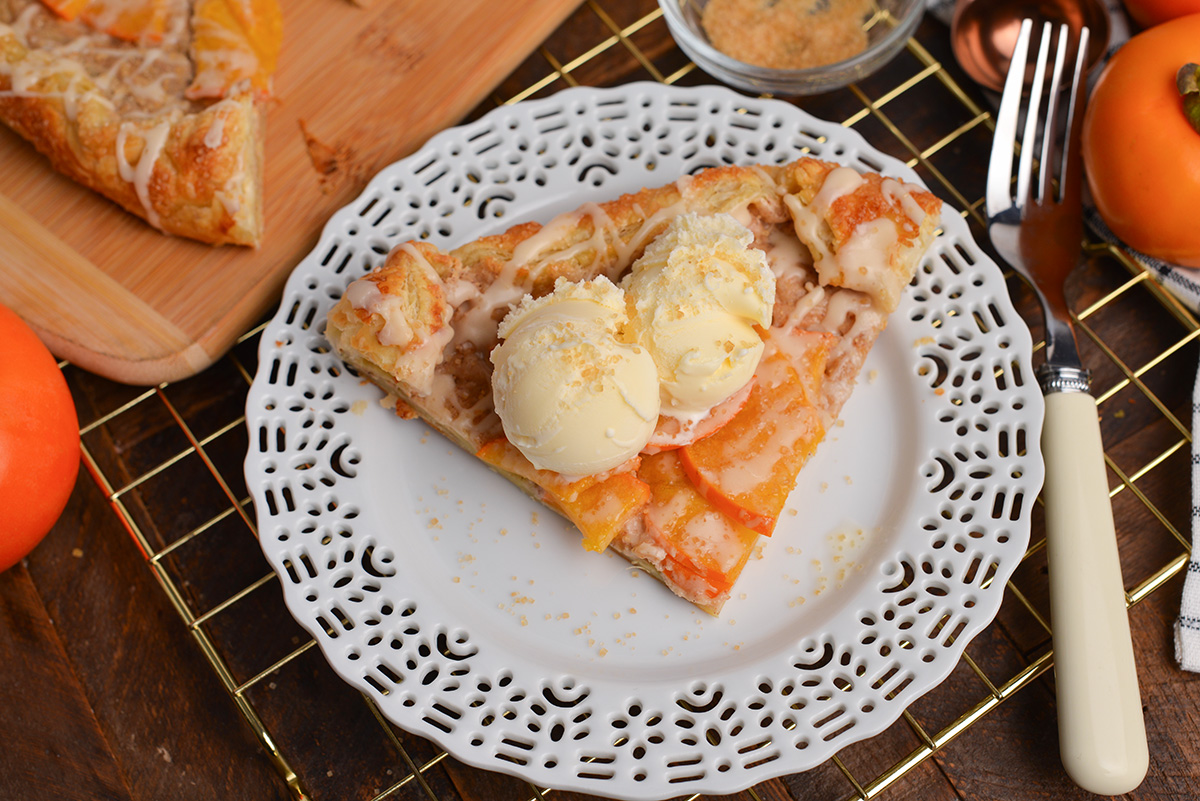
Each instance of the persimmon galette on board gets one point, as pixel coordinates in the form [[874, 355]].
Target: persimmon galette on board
[[155, 104]]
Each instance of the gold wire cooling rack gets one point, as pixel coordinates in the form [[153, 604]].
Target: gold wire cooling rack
[[620, 41]]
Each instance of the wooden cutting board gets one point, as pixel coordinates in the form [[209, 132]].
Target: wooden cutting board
[[358, 87]]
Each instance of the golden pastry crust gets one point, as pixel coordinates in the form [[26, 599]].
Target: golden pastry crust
[[445, 376], [834, 208], [124, 129]]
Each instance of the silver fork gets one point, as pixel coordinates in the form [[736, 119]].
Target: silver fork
[[1038, 229]]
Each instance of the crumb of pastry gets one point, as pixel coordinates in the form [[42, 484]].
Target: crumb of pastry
[[787, 34]]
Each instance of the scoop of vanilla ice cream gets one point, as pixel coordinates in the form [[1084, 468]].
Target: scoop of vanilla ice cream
[[573, 397], [694, 298]]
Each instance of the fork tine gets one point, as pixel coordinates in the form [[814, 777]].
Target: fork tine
[[1032, 114], [1072, 165], [1050, 129], [999, 181]]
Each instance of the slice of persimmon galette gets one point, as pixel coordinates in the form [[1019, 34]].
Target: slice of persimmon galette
[[657, 368]]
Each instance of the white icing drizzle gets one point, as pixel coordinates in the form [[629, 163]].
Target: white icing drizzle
[[123, 168], [153, 92], [140, 174], [649, 229], [843, 304], [417, 365], [840, 181], [709, 533], [786, 254], [604, 232], [423, 360], [176, 21], [363, 294], [20, 26], [455, 292], [232, 204], [459, 291], [70, 98], [809, 220], [366, 295], [807, 223], [416, 255], [215, 133], [865, 255], [476, 323], [743, 215], [531, 248], [901, 194], [82, 43], [812, 297]]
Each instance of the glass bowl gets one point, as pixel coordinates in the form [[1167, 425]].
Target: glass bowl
[[888, 28]]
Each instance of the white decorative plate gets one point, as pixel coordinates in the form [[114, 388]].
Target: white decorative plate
[[472, 616]]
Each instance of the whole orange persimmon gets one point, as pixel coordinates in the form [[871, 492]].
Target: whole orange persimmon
[[39, 440], [1141, 154], [1149, 13]]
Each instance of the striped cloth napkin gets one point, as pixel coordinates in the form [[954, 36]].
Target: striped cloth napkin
[[1184, 283]]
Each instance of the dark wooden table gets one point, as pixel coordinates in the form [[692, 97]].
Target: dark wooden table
[[146, 653]]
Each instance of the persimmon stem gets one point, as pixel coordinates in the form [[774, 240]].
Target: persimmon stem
[[1187, 80]]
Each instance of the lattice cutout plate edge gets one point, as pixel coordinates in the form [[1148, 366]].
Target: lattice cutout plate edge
[[339, 486]]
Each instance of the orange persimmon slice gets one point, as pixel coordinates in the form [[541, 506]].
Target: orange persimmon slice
[[234, 41], [748, 468], [706, 550], [131, 20], [598, 506], [67, 9]]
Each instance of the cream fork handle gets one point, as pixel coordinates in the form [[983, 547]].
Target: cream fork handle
[[1102, 736]]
